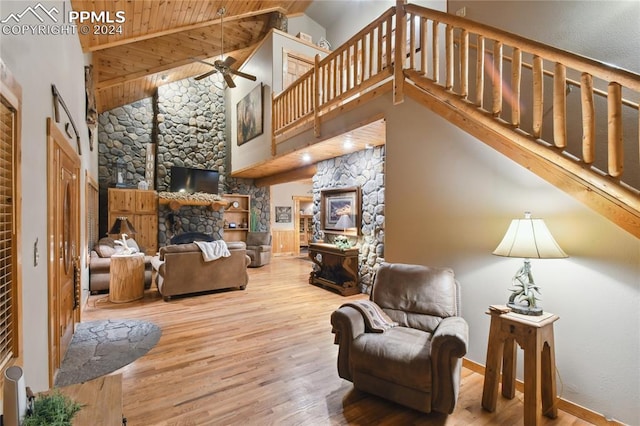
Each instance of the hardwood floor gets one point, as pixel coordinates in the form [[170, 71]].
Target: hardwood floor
[[265, 356]]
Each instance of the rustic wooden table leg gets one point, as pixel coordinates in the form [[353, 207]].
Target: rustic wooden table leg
[[549, 391], [509, 368], [492, 369], [532, 379]]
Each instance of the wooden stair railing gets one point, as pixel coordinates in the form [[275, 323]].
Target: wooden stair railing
[[578, 156], [472, 82]]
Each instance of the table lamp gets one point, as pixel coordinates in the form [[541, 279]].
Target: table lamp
[[123, 228], [344, 223], [529, 239]]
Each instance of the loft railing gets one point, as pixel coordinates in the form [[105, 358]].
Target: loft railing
[[360, 63], [517, 87]]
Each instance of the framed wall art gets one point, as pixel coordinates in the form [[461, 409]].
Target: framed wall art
[[249, 115], [340, 210], [283, 214]]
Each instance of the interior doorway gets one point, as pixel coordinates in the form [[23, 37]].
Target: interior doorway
[[303, 222]]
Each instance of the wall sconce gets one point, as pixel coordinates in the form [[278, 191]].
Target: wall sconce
[[529, 239]]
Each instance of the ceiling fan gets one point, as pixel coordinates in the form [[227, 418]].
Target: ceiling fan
[[223, 66]]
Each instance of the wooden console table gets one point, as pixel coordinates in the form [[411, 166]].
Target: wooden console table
[[338, 268], [535, 335], [126, 278]]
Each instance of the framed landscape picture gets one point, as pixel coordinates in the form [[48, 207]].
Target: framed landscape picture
[[249, 115], [340, 210]]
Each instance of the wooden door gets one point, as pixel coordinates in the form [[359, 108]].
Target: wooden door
[[295, 65], [64, 233]]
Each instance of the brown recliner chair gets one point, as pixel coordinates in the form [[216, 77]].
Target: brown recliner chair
[[407, 345], [259, 248]]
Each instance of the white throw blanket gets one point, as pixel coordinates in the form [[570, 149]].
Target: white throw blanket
[[213, 250]]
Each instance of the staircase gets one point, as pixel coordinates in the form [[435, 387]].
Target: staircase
[[567, 118]]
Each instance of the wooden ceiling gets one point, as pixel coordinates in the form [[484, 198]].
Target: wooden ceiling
[[160, 39]]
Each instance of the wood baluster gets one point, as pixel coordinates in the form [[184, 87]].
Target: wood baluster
[[516, 82], [316, 96], [423, 46], [379, 64], [538, 95], [335, 77], [614, 120], [480, 72], [449, 63], [435, 52], [349, 68], [412, 42], [560, 106], [371, 39], [497, 78], [464, 64], [389, 56]]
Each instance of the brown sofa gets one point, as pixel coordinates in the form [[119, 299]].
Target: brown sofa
[[100, 264], [181, 269]]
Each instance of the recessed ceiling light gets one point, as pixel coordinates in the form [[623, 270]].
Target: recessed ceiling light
[[347, 144], [306, 157]]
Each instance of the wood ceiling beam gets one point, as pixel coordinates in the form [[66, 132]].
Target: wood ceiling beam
[[190, 27], [306, 172]]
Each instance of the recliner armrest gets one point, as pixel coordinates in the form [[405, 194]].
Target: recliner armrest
[[448, 345], [347, 324], [453, 334]]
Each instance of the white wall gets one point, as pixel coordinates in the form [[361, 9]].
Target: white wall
[[305, 24], [37, 62], [449, 200], [282, 195], [266, 64]]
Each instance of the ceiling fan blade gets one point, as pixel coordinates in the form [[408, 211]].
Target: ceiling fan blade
[[228, 61], [205, 75], [242, 74], [203, 62], [229, 81]]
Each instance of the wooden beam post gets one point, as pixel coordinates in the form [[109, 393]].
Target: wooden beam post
[[400, 53]]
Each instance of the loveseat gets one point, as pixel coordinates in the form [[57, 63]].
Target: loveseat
[[100, 264], [181, 269]]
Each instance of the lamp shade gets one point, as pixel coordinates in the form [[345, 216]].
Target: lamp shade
[[122, 226], [530, 239], [344, 222]]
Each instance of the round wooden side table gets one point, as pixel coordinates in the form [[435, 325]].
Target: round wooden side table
[[126, 278]]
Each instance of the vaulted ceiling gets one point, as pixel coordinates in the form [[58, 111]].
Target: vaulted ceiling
[[159, 41]]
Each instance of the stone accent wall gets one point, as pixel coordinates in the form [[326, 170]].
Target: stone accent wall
[[187, 121], [366, 170], [191, 128], [123, 132]]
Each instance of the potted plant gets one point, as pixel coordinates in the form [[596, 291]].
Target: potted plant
[[53, 409]]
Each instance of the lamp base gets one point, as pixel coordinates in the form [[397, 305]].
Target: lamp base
[[525, 310]]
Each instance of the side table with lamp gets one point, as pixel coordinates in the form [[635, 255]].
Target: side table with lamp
[[126, 276], [522, 321]]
